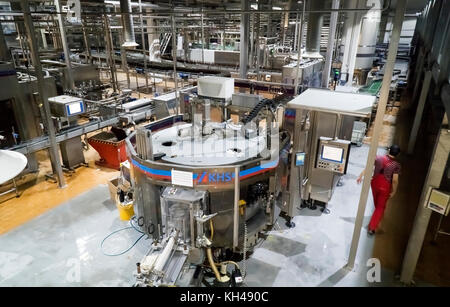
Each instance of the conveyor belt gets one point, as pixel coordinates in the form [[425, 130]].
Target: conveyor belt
[[43, 142]]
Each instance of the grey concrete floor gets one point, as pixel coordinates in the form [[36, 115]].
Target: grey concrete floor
[[62, 246], [315, 252]]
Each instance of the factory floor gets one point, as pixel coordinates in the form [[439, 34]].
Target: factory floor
[[53, 237], [38, 195], [315, 251], [62, 245]]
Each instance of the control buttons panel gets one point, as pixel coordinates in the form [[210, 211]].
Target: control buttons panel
[[333, 155], [335, 167]]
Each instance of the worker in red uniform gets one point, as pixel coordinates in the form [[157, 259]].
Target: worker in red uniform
[[384, 184]]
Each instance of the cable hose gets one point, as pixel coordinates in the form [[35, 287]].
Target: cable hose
[[119, 230]]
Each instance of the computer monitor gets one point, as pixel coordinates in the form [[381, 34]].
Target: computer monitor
[[74, 108], [332, 153]]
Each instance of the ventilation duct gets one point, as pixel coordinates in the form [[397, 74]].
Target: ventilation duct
[[315, 22], [127, 22]]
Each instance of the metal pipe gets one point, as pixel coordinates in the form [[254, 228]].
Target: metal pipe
[[164, 256], [54, 153], [299, 48], [258, 49], [294, 47], [123, 51], [143, 44], [87, 44], [203, 40], [110, 56], [213, 12], [378, 124], [127, 21], [174, 58], [212, 264], [264, 82], [236, 208], [243, 41], [65, 46]]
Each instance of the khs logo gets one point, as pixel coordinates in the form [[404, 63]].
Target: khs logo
[[206, 177]]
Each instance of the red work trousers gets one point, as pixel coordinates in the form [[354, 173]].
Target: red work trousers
[[381, 189]]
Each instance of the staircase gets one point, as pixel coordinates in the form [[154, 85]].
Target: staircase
[[165, 40]]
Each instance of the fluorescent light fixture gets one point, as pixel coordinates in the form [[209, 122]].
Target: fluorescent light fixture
[[254, 6], [276, 8]]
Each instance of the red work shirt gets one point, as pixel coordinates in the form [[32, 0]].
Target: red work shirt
[[391, 167]]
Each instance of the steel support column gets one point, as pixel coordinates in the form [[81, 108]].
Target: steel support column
[[64, 43], [109, 47], [384, 95], [123, 45], [141, 21], [86, 43], [257, 44], [353, 49], [299, 48], [203, 39], [174, 58], [236, 208], [53, 151], [347, 37], [243, 40]]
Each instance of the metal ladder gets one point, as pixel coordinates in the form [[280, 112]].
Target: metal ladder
[[165, 40]]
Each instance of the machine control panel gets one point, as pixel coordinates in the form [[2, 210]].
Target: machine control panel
[[66, 106], [65, 110], [333, 155]]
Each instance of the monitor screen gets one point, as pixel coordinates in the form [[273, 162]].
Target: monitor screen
[[74, 108], [332, 153]]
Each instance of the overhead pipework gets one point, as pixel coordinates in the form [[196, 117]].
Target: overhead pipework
[[128, 26], [315, 23]]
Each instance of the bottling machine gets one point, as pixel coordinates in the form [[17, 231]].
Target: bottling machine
[[207, 183], [204, 185]]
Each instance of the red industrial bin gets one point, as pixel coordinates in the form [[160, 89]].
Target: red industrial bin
[[112, 151]]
